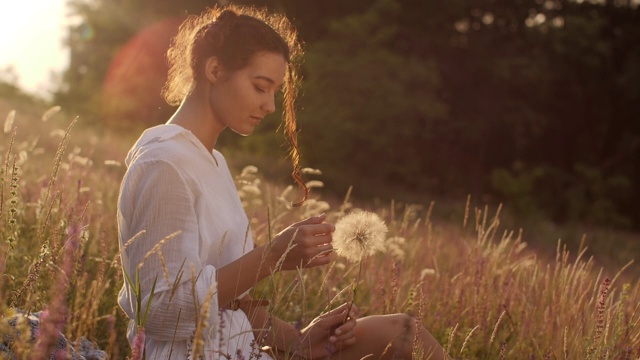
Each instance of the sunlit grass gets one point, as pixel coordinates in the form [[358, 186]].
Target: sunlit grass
[[474, 284]]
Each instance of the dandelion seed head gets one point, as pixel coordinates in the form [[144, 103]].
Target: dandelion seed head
[[359, 234]]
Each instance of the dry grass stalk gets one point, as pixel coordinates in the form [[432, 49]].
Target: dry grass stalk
[[203, 323], [58, 160], [467, 339], [495, 328]]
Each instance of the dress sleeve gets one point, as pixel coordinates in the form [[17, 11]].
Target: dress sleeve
[[156, 207]]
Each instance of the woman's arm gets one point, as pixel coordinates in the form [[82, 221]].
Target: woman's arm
[[304, 244]]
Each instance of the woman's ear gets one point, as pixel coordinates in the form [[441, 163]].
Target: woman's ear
[[213, 69]]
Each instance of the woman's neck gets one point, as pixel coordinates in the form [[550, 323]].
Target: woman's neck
[[195, 115]]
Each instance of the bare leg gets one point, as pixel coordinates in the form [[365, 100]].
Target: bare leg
[[390, 337]]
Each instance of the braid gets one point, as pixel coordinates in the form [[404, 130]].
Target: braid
[[291, 86]]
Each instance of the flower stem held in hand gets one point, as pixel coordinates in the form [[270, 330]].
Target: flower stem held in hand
[[355, 291]]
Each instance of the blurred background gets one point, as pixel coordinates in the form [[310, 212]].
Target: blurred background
[[531, 103]]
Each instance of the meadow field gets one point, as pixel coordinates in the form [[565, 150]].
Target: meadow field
[[472, 281]]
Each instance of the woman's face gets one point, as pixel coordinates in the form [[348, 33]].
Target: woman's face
[[241, 99]]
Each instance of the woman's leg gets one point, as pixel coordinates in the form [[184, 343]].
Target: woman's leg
[[390, 337]]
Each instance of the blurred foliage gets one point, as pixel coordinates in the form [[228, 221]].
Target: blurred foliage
[[420, 95], [9, 88], [105, 29], [367, 104], [583, 194]]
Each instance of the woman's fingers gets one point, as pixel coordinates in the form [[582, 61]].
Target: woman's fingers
[[343, 333], [316, 251], [347, 327], [335, 320], [304, 244], [312, 245], [312, 220], [313, 226], [314, 234], [339, 342], [317, 240], [309, 236]]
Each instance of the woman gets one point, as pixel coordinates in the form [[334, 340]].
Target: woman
[[191, 246]]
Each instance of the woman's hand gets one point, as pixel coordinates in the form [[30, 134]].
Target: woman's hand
[[328, 333], [304, 244]]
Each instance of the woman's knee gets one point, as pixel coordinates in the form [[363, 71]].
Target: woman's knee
[[401, 323], [394, 336], [414, 337], [395, 332]]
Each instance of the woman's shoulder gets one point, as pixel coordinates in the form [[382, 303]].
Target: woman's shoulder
[[166, 143]]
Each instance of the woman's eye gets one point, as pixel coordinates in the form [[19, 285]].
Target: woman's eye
[[259, 89]]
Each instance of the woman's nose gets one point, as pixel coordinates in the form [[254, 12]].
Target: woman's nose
[[269, 106]]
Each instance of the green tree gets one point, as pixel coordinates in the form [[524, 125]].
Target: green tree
[[370, 110]]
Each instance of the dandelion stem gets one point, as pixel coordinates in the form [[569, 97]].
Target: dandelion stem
[[355, 291]]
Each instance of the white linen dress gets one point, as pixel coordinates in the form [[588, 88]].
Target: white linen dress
[[173, 183]]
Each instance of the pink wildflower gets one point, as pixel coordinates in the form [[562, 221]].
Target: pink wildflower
[[138, 344]]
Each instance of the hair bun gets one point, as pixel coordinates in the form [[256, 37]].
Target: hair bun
[[220, 29], [227, 16]]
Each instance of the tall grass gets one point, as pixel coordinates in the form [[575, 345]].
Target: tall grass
[[59, 239], [474, 284]]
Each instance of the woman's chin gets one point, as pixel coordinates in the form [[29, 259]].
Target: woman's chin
[[243, 132]]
